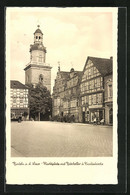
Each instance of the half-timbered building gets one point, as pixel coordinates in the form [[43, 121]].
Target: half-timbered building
[[92, 89], [19, 102]]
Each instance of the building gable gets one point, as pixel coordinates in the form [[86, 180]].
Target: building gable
[[17, 85], [95, 67], [103, 65], [90, 71]]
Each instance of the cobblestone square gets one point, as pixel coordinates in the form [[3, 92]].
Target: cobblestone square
[[55, 139]]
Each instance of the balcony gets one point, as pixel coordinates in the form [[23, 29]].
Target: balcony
[[108, 99]]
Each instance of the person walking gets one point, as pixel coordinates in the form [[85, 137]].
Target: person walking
[[95, 121]]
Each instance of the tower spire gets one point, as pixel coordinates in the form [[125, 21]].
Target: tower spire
[[38, 35]]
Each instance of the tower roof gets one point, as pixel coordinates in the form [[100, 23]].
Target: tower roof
[[38, 30], [36, 46]]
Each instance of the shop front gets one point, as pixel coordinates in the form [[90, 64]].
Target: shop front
[[96, 112], [16, 113], [109, 113], [85, 114]]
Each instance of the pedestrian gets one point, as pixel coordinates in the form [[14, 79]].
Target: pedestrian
[[19, 120], [95, 121], [102, 122]]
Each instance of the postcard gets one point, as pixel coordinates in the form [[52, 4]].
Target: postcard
[[61, 95]]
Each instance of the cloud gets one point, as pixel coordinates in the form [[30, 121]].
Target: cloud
[[70, 36]]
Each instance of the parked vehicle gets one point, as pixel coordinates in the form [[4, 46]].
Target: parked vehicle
[[102, 122], [17, 117]]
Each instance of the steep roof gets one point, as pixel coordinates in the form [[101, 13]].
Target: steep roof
[[38, 31], [37, 46], [79, 73], [17, 85], [103, 65], [64, 74]]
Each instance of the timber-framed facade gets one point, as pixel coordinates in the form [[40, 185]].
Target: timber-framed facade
[[85, 95]]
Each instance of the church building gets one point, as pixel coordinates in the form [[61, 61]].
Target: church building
[[37, 70]]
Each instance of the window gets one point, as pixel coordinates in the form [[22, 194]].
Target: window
[[90, 99], [87, 86], [74, 90], [94, 70], [94, 99], [21, 93], [41, 78], [73, 103], [83, 100], [65, 105], [95, 83], [91, 71], [58, 101], [14, 100], [40, 58], [14, 95], [110, 91], [92, 84], [82, 87], [69, 92], [27, 78], [98, 82], [18, 100], [99, 98], [86, 74], [86, 99]]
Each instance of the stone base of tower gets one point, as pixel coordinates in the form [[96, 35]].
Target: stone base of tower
[[35, 74]]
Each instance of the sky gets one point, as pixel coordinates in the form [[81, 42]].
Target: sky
[[70, 36]]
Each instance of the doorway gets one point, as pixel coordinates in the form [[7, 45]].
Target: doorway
[[111, 116], [83, 117], [100, 115]]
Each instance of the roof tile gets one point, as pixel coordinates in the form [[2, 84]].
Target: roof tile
[[103, 65], [17, 85]]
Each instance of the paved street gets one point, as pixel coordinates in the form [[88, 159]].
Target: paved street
[[54, 139]]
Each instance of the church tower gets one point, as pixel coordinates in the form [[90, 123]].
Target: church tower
[[37, 70]]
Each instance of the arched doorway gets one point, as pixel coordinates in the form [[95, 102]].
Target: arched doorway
[[111, 116]]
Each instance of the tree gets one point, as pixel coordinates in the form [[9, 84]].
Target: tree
[[40, 101]]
